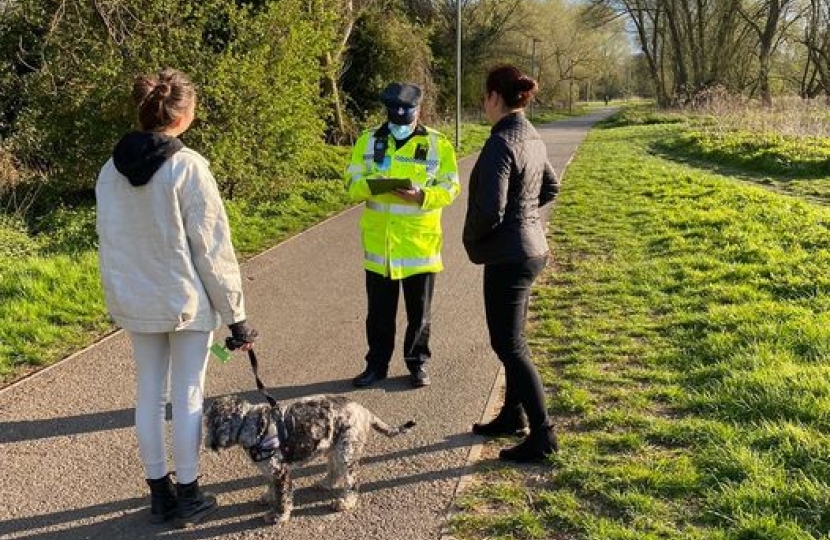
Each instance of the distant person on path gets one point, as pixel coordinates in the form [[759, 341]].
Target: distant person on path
[[170, 276], [510, 181], [406, 173]]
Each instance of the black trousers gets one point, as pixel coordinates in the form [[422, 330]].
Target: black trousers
[[382, 295], [506, 299]]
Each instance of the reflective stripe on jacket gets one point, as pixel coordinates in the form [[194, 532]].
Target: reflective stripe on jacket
[[401, 239]]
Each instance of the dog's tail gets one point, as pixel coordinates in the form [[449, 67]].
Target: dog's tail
[[382, 427]]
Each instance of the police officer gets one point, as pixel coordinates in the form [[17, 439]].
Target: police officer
[[405, 173]]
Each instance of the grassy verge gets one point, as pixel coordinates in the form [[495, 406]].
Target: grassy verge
[[791, 164], [685, 331], [51, 302]]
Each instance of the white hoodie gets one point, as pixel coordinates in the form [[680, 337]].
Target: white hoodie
[[165, 252]]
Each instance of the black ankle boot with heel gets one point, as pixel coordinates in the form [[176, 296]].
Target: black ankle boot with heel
[[537, 447], [509, 422], [162, 499], [193, 504]]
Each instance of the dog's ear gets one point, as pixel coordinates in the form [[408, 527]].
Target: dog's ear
[[254, 427], [222, 422], [213, 426]]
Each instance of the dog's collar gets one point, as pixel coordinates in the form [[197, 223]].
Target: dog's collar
[[269, 444]]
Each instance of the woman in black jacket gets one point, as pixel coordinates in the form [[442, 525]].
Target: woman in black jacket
[[503, 230]]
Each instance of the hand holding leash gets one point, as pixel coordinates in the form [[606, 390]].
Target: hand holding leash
[[242, 337]]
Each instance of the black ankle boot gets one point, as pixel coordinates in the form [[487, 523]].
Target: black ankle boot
[[162, 499], [540, 444], [509, 422], [193, 505]]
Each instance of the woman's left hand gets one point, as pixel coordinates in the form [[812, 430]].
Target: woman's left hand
[[413, 194]]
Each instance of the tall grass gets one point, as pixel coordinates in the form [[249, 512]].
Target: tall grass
[[684, 331], [789, 116]]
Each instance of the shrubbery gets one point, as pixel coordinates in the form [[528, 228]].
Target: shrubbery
[[14, 239], [66, 69]]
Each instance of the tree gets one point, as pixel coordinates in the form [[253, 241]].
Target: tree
[[484, 23], [764, 17], [690, 46], [386, 45], [817, 41], [348, 11]]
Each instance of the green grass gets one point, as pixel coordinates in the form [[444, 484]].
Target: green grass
[[794, 164], [766, 153], [545, 116], [51, 302], [257, 226], [685, 334]]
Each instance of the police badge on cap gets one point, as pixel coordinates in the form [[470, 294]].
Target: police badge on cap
[[402, 101]]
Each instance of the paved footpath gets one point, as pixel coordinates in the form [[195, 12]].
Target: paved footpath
[[69, 467]]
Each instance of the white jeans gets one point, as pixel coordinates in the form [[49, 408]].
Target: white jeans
[[181, 359]]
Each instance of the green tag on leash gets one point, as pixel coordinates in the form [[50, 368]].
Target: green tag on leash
[[220, 352]]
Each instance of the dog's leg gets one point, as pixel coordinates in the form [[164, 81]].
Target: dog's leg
[[283, 495], [268, 498], [329, 482], [346, 462], [266, 469]]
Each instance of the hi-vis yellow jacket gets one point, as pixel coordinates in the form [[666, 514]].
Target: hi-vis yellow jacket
[[401, 239]]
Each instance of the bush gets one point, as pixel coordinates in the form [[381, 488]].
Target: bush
[[14, 239], [66, 70]]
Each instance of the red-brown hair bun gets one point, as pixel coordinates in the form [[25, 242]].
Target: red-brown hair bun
[[515, 88]]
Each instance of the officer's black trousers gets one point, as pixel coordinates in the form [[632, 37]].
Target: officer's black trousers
[[382, 294], [506, 299]]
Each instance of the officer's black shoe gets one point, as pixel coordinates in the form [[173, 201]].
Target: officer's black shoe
[[419, 378], [368, 378]]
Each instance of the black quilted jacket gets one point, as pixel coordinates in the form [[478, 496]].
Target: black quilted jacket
[[510, 182]]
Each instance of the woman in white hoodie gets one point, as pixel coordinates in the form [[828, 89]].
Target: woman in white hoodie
[[170, 278]]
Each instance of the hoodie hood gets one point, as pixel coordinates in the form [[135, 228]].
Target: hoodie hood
[[139, 154]]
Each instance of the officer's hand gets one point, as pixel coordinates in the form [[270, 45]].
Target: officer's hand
[[413, 194], [242, 337]]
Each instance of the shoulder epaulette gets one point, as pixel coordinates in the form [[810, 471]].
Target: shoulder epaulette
[[436, 132]]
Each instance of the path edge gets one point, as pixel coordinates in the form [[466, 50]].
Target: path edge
[[467, 477]]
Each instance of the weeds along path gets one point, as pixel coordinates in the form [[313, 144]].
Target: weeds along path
[[70, 467]]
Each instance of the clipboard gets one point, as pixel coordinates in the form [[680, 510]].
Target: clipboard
[[385, 185]]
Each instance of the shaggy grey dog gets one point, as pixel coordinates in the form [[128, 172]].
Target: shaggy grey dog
[[310, 427]]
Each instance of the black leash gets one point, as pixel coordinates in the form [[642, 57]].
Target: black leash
[[233, 343], [260, 386], [258, 453]]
